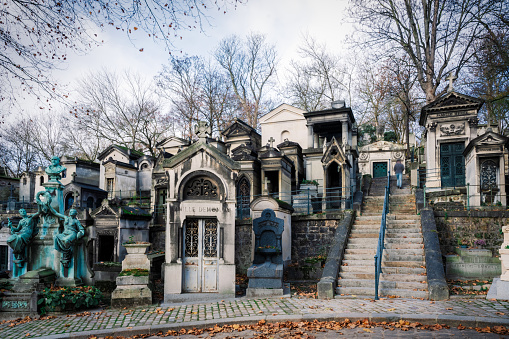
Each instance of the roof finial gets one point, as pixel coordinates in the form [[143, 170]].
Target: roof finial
[[451, 79]]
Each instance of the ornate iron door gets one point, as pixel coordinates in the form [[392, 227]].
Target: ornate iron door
[[200, 255], [452, 164], [379, 169]]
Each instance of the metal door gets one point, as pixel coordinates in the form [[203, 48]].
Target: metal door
[[379, 169], [452, 164], [200, 257]]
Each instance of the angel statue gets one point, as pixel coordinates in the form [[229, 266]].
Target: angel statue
[[22, 235], [67, 239]]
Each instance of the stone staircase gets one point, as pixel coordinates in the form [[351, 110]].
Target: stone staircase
[[403, 266]]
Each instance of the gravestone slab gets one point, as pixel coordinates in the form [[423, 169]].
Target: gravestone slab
[[266, 273], [472, 264]]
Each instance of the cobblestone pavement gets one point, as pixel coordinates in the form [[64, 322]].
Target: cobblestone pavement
[[469, 312]]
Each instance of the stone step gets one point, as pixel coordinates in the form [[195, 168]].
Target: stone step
[[386, 270], [383, 276], [356, 229], [371, 245], [363, 251], [391, 256], [385, 263], [417, 263], [388, 241], [388, 234], [369, 292], [406, 285]]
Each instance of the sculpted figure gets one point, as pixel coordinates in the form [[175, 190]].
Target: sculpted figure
[[22, 235], [66, 240], [53, 171]]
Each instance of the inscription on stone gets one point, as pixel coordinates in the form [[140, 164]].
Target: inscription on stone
[[13, 304], [488, 148], [200, 209]]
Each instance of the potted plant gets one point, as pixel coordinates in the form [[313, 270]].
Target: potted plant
[[464, 243], [480, 243], [135, 247]]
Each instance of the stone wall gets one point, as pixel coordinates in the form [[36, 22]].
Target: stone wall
[[454, 226], [311, 236], [157, 238], [243, 245]]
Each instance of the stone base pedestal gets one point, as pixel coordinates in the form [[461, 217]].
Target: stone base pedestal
[[131, 291], [499, 290], [35, 280], [265, 280]]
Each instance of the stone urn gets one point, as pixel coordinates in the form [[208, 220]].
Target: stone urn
[[504, 254]]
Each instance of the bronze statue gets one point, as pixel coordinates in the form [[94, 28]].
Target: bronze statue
[[22, 235], [72, 233], [53, 171]]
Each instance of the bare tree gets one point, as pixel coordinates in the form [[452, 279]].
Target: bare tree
[[436, 35], [121, 109], [374, 93], [181, 83], [19, 155], [318, 78], [197, 91], [36, 36], [250, 65]]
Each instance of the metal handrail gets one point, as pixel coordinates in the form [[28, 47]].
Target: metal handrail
[[381, 236]]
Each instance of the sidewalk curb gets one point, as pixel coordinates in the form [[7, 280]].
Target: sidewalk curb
[[424, 319]]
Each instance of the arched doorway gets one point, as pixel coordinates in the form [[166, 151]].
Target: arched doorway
[[90, 202], [201, 239], [334, 186], [69, 200]]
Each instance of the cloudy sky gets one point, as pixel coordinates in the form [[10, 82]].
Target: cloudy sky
[[283, 21]]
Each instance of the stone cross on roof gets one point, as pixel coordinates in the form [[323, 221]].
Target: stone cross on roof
[[73, 175], [203, 130], [451, 79], [271, 141]]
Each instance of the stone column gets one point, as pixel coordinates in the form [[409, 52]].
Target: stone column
[[315, 140], [344, 132], [310, 136]]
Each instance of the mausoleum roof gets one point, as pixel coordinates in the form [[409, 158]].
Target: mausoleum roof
[[488, 138], [130, 153], [450, 101]]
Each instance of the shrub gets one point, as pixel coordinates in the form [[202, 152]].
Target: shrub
[[54, 298]]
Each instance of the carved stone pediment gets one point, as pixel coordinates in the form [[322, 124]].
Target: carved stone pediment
[[334, 152], [450, 129]]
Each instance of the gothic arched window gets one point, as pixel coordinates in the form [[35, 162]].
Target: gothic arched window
[[243, 198]]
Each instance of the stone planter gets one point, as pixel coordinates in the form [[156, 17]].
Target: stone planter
[[136, 248], [313, 189], [504, 254], [133, 290], [504, 258], [136, 257]]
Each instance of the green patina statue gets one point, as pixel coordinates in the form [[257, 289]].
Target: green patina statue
[[53, 171], [22, 235], [66, 240]]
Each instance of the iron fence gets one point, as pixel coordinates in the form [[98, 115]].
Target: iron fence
[[304, 201], [381, 235]]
